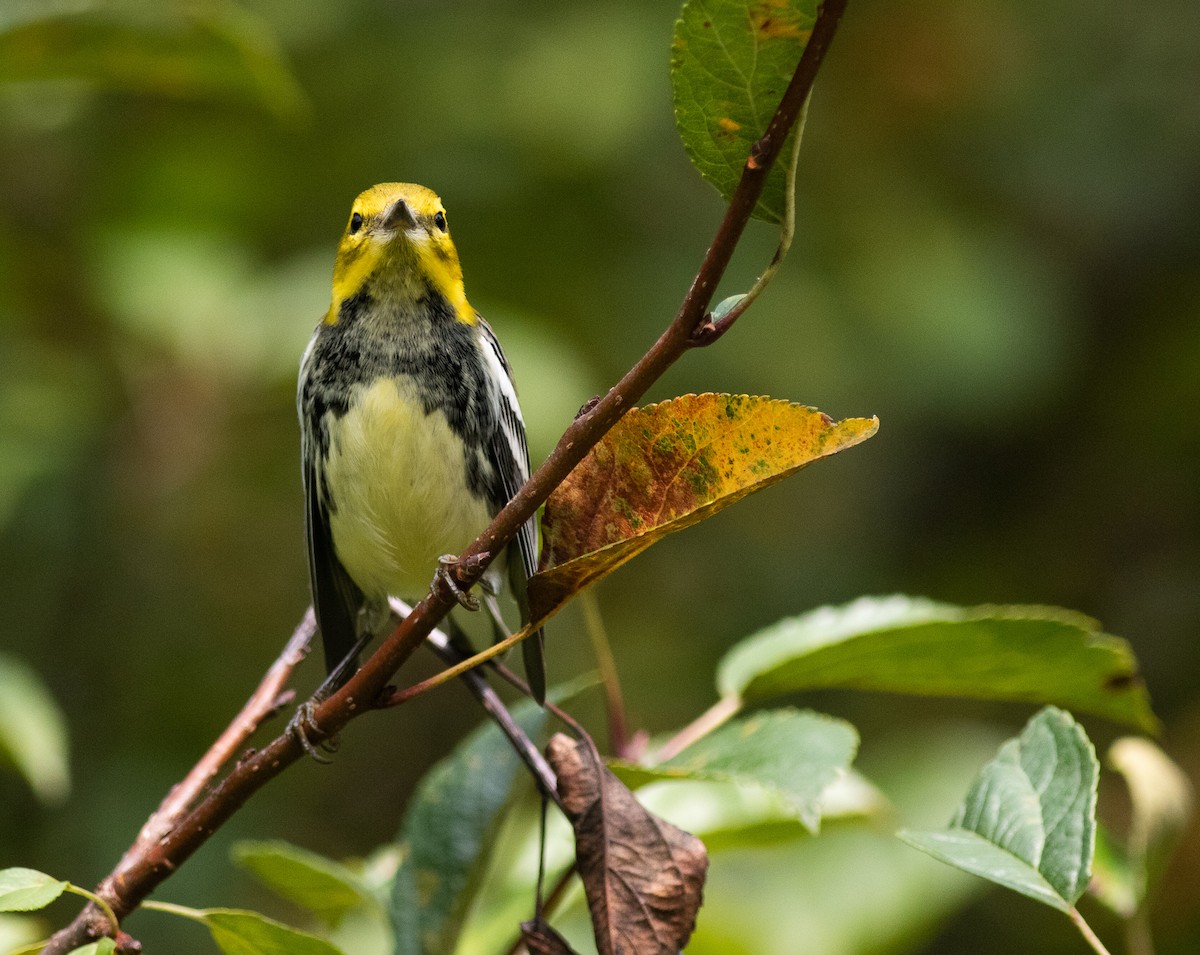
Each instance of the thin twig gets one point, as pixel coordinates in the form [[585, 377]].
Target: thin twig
[[464, 665], [715, 326], [487, 658], [126, 889], [551, 902], [551, 707], [265, 701], [1139, 940], [475, 681], [525, 749], [716, 715], [610, 679]]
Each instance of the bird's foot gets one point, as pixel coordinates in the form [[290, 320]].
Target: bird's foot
[[303, 725], [443, 579]]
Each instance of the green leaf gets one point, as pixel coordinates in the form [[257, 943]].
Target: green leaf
[[667, 466], [909, 645], [23, 890], [795, 754], [322, 886], [21, 934], [1029, 820], [217, 50], [33, 733], [730, 815], [449, 830], [238, 932], [730, 65], [727, 305], [104, 946]]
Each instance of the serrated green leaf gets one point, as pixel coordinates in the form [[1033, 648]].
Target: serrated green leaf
[[33, 733], [908, 645], [795, 754], [239, 932], [731, 62], [1029, 819], [449, 830], [322, 886], [734, 815], [972, 853], [23, 890]]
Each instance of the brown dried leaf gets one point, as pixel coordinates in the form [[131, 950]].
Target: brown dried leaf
[[643, 877], [541, 939], [667, 466]]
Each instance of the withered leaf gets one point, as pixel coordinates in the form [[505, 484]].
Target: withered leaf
[[667, 466], [643, 877], [541, 939]]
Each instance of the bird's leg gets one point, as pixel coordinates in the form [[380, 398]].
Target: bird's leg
[[303, 723], [443, 579]]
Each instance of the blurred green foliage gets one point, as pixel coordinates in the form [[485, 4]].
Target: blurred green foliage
[[998, 252]]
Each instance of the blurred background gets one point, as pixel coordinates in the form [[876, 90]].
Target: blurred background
[[998, 253]]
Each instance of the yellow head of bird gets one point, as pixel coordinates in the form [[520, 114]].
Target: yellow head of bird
[[398, 242]]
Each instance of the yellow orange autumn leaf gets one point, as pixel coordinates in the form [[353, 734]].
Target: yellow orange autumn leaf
[[667, 466]]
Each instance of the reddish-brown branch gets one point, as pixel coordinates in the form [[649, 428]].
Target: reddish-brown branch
[[141, 872], [270, 697]]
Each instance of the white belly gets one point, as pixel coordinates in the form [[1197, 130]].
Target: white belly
[[398, 483]]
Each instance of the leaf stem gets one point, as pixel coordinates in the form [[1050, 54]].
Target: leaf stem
[[1086, 931], [610, 679], [718, 322], [171, 908], [97, 901], [397, 697], [1139, 940], [716, 715]]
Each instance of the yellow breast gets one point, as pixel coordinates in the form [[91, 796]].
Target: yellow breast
[[398, 483]]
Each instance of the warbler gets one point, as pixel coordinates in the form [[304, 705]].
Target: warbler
[[412, 437]]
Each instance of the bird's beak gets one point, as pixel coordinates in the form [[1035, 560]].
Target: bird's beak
[[399, 216]]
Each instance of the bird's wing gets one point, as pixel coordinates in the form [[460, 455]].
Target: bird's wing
[[336, 598], [510, 454]]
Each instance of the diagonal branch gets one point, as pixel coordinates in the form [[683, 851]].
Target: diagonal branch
[[268, 699], [140, 872]]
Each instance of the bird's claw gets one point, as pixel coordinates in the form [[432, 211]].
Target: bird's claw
[[443, 577], [302, 724]]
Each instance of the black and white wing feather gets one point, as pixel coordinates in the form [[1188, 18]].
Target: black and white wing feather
[[510, 455], [336, 598]]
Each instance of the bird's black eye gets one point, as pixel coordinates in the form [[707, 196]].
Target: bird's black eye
[[356, 222], [439, 220]]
